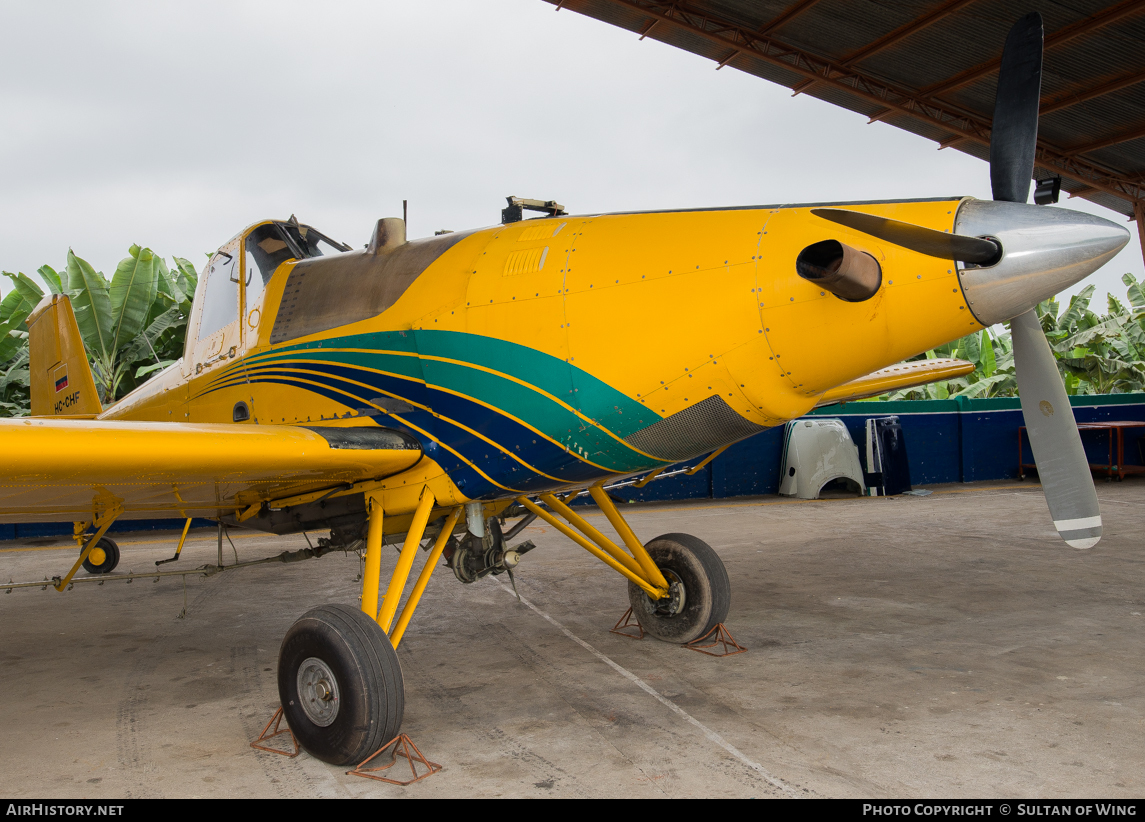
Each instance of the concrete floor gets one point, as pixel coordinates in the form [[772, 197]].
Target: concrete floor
[[941, 646]]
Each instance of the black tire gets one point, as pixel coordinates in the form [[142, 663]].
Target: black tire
[[364, 710], [110, 557], [692, 563]]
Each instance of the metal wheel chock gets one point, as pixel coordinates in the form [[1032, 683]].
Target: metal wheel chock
[[401, 745], [268, 734], [722, 637], [626, 624]]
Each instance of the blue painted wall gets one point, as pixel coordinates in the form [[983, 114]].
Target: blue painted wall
[[947, 441], [28, 530]]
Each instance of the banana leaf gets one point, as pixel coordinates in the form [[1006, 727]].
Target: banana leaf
[[143, 346], [987, 362], [52, 277], [26, 286], [12, 339], [133, 289], [188, 277], [14, 303], [170, 287], [144, 370], [92, 304], [1136, 292], [982, 387], [970, 348], [1078, 304]]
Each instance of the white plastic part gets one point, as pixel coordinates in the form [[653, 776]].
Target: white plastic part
[[475, 518], [815, 452]]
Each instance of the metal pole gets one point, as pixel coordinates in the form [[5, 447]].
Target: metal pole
[[1139, 216]]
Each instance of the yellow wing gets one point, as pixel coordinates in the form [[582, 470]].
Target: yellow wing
[[61, 470], [896, 377]]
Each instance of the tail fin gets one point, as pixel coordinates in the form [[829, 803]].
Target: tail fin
[[62, 385]]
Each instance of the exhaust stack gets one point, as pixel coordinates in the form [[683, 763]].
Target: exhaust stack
[[846, 272]]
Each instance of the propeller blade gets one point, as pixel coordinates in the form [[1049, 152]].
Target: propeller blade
[[1014, 133], [1056, 443], [915, 237]]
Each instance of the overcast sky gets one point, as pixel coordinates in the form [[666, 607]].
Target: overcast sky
[[174, 125]]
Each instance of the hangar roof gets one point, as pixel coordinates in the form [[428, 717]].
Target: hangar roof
[[930, 67]]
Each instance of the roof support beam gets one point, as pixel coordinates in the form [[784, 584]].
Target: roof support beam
[[865, 87], [901, 33], [1059, 37], [1123, 137], [1063, 101], [788, 14]]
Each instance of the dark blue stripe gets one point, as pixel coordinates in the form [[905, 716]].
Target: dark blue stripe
[[534, 449]]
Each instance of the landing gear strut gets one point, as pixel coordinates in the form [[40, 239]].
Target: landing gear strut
[[338, 673]]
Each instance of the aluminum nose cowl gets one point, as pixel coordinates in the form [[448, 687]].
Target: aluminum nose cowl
[[1044, 250]]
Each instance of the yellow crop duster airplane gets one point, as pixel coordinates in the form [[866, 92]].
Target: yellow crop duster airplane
[[412, 386]]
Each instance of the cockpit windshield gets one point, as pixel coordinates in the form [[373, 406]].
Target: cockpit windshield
[[310, 242], [272, 244]]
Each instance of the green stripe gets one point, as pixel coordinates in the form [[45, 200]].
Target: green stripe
[[600, 402]]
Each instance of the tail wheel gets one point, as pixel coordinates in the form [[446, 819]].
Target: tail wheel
[[699, 594], [103, 558], [340, 684]]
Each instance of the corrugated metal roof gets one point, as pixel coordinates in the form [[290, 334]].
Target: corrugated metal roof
[[928, 67]]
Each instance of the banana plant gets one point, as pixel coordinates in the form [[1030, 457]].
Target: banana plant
[[15, 385], [132, 325]]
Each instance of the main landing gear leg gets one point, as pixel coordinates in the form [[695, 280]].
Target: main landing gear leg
[[677, 585], [338, 674]]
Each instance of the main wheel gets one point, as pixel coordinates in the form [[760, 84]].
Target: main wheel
[[700, 593], [103, 558], [340, 684]]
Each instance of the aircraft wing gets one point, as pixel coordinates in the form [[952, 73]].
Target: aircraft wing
[[58, 470], [895, 378]]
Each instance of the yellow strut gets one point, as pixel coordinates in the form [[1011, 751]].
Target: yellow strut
[[648, 478], [405, 560], [426, 573], [708, 459], [655, 593], [600, 539], [107, 519], [183, 538], [605, 503], [373, 570]]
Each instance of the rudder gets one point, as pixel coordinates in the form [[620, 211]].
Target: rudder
[[61, 380]]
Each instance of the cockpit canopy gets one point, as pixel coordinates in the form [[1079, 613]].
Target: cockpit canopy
[[272, 244], [237, 273]]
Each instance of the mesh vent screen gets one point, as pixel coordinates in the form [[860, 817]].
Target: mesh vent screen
[[703, 427]]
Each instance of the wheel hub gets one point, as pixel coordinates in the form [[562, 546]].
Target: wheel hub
[[674, 603], [318, 691]]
